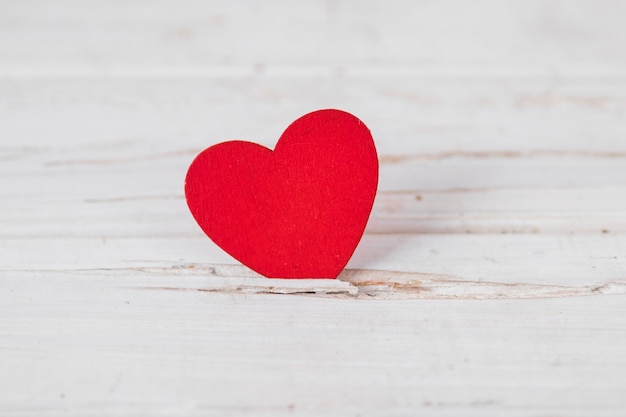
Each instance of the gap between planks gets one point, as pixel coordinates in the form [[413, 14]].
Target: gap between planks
[[386, 159], [351, 283], [445, 72]]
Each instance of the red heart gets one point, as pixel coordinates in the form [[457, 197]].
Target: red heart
[[296, 212]]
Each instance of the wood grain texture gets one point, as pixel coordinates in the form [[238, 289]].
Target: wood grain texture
[[492, 276]]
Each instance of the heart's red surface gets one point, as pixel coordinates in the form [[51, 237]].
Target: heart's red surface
[[296, 212]]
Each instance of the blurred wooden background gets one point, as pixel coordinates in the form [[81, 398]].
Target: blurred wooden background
[[491, 279]]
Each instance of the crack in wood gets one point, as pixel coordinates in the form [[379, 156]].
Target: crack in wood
[[351, 283], [507, 154], [384, 159], [398, 285], [130, 159], [135, 198]]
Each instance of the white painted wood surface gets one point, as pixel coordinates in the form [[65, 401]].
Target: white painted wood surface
[[492, 277]]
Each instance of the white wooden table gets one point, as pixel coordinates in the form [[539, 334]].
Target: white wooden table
[[491, 280]]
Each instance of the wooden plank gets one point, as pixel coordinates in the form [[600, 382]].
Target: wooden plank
[[521, 36], [94, 345], [425, 117], [588, 261]]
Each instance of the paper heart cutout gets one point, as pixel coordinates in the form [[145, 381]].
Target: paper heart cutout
[[296, 212]]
